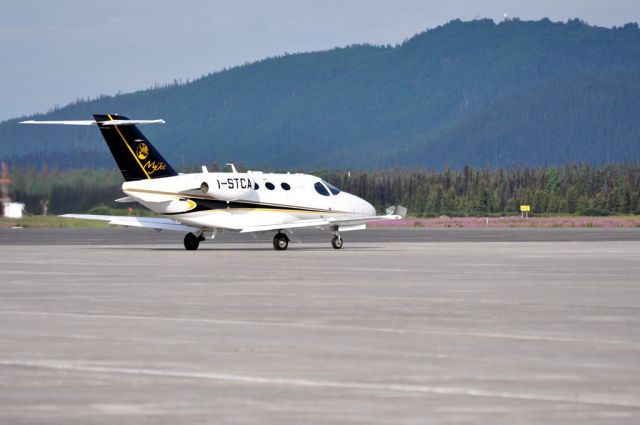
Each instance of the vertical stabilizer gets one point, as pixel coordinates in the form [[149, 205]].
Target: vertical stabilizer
[[136, 157]]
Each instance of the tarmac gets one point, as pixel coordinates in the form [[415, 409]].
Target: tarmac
[[401, 326]]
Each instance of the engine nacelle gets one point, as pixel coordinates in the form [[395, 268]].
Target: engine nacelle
[[226, 186]]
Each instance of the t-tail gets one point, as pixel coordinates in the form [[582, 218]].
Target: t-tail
[[136, 157]]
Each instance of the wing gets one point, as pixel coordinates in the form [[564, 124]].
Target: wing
[[342, 224], [157, 223]]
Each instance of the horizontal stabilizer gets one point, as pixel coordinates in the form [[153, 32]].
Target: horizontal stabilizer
[[157, 223], [91, 122], [130, 122], [78, 122]]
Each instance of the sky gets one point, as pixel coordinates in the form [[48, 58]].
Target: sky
[[54, 52]]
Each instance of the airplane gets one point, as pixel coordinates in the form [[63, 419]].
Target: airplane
[[200, 204]]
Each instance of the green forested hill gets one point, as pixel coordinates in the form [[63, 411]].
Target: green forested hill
[[476, 93]]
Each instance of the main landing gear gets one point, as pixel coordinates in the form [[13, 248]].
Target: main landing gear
[[191, 241], [280, 241]]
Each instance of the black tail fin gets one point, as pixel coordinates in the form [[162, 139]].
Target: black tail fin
[[135, 155]]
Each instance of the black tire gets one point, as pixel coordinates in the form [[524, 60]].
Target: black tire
[[336, 242], [280, 242], [191, 242]]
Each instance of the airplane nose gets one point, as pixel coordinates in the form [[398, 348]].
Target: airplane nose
[[363, 207], [367, 208], [357, 205]]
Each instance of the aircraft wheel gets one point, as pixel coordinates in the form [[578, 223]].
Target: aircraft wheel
[[280, 242], [336, 242], [191, 242]]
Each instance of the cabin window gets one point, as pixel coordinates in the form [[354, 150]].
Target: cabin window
[[331, 187], [285, 186], [269, 185], [256, 186], [321, 189]]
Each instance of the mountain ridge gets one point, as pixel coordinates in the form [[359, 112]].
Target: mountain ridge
[[465, 93]]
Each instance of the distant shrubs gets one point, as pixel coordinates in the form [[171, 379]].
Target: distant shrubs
[[104, 210], [594, 212]]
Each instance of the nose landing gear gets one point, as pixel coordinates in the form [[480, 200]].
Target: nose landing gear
[[280, 241]]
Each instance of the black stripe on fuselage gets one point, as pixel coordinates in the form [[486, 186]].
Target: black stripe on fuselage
[[213, 204]]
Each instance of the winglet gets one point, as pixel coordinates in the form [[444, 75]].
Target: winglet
[[397, 210]]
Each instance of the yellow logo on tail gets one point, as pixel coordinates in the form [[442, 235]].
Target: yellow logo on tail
[[142, 151], [153, 166]]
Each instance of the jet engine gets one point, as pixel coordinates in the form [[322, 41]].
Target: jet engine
[[227, 187]]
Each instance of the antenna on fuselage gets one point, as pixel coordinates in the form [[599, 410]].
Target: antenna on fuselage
[[233, 167]]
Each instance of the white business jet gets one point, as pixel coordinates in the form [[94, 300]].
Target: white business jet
[[202, 203]]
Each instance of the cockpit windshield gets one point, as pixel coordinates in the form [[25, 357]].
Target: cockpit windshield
[[322, 186], [331, 187]]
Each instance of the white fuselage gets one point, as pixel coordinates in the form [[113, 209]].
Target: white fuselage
[[239, 200]]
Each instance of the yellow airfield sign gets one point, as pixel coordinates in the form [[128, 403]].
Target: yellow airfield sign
[[525, 208]]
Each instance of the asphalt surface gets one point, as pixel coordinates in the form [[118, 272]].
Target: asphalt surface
[[399, 327], [131, 236]]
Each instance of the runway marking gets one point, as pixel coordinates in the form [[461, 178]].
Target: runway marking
[[426, 298], [88, 337], [364, 386], [46, 273], [337, 327], [423, 355]]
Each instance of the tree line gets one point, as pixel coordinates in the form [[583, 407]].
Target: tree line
[[569, 189]]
